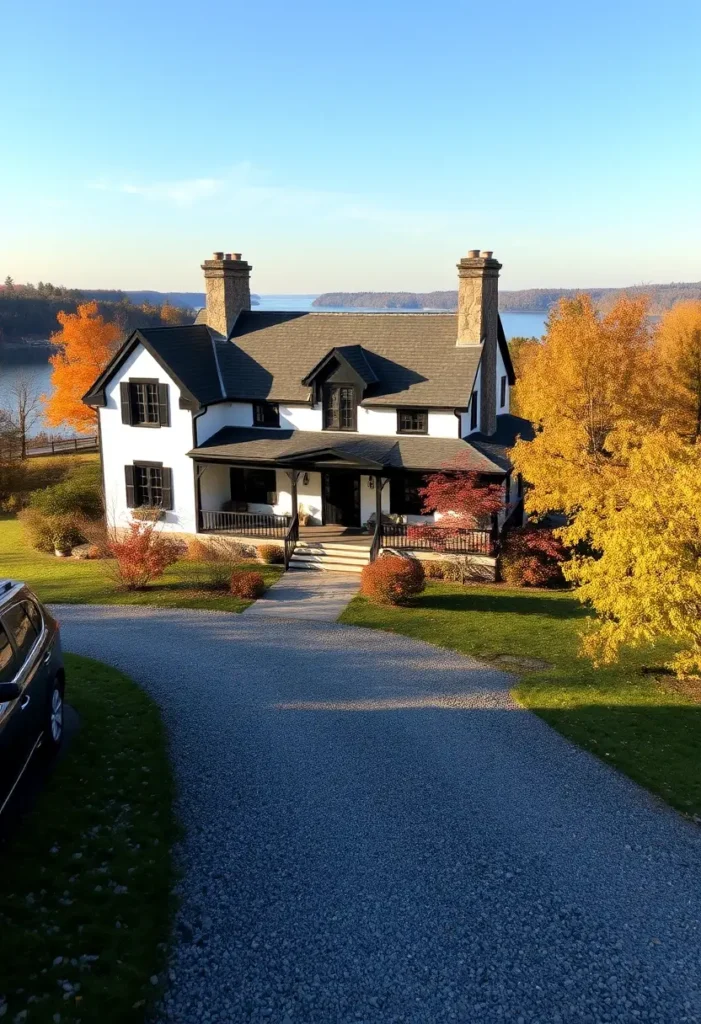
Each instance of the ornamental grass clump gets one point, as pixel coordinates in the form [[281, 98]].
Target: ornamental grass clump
[[142, 555], [271, 554], [247, 585], [392, 580]]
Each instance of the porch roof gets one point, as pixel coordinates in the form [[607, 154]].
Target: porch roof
[[344, 449]]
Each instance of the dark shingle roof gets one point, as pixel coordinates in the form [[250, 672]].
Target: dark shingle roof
[[496, 446], [413, 356], [417, 453], [189, 352]]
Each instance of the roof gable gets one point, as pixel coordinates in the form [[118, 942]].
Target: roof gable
[[348, 362], [186, 355]]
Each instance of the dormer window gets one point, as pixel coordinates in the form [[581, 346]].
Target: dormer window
[[340, 407], [502, 392], [266, 414], [412, 421]]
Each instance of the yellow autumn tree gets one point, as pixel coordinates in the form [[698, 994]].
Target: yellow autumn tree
[[170, 315], [589, 378], [85, 344], [678, 351], [645, 580]]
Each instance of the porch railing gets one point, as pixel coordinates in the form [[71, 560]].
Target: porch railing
[[291, 538], [439, 539], [246, 524], [376, 540]]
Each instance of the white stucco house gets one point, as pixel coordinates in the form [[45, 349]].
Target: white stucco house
[[248, 423]]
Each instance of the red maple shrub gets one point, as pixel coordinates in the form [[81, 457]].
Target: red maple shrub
[[142, 555], [392, 580], [462, 496], [532, 557], [247, 585], [462, 502]]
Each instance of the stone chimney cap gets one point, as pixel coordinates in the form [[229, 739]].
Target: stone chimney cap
[[236, 256], [473, 254], [486, 254], [217, 255]]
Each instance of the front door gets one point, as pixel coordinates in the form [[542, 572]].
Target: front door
[[341, 498]]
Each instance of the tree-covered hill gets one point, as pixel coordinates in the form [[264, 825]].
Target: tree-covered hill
[[28, 312], [529, 300]]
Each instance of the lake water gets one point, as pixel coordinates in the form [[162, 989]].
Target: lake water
[[32, 362]]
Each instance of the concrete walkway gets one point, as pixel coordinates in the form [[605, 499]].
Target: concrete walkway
[[312, 595]]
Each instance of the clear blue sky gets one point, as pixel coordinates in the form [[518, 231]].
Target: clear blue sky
[[364, 145]]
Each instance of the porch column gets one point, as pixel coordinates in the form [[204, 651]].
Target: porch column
[[293, 481], [378, 498]]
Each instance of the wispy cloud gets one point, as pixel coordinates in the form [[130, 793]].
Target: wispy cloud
[[179, 193], [242, 187]]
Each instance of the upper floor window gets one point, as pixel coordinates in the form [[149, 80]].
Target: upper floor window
[[502, 392], [412, 421], [473, 410], [144, 403], [340, 412], [266, 414]]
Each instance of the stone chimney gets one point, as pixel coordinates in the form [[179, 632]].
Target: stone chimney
[[478, 320], [227, 281]]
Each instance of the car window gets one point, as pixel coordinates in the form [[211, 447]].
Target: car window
[[35, 616], [19, 624], [8, 662]]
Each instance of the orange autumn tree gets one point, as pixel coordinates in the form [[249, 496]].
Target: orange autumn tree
[[85, 344]]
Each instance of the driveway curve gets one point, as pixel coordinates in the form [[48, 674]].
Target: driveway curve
[[376, 833]]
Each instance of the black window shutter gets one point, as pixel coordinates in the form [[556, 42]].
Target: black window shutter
[[163, 408], [125, 396], [167, 488], [129, 478]]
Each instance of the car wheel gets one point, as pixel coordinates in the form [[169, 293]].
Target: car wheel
[[53, 730]]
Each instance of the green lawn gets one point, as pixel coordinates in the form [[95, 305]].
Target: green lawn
[[629, 714], [71, 581], [87, 872]]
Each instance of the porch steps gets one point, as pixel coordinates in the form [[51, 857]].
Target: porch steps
[[330, 557]]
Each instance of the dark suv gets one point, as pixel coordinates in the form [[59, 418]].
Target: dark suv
[[32, 682]]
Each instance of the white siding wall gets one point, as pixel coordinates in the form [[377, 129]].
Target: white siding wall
[[223, 414], [374, 420], [465, 416], [368, 499], [301, 417], [123, 445]]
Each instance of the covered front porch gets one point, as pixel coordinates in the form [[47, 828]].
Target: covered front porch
[[325, 506]]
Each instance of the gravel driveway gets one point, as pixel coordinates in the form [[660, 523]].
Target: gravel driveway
[[375, 833]]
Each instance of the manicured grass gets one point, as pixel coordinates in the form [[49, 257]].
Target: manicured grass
[[71, 581], [627, 714], [87, 873]]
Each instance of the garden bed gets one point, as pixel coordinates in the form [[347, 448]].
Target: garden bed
[[78, 581]]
